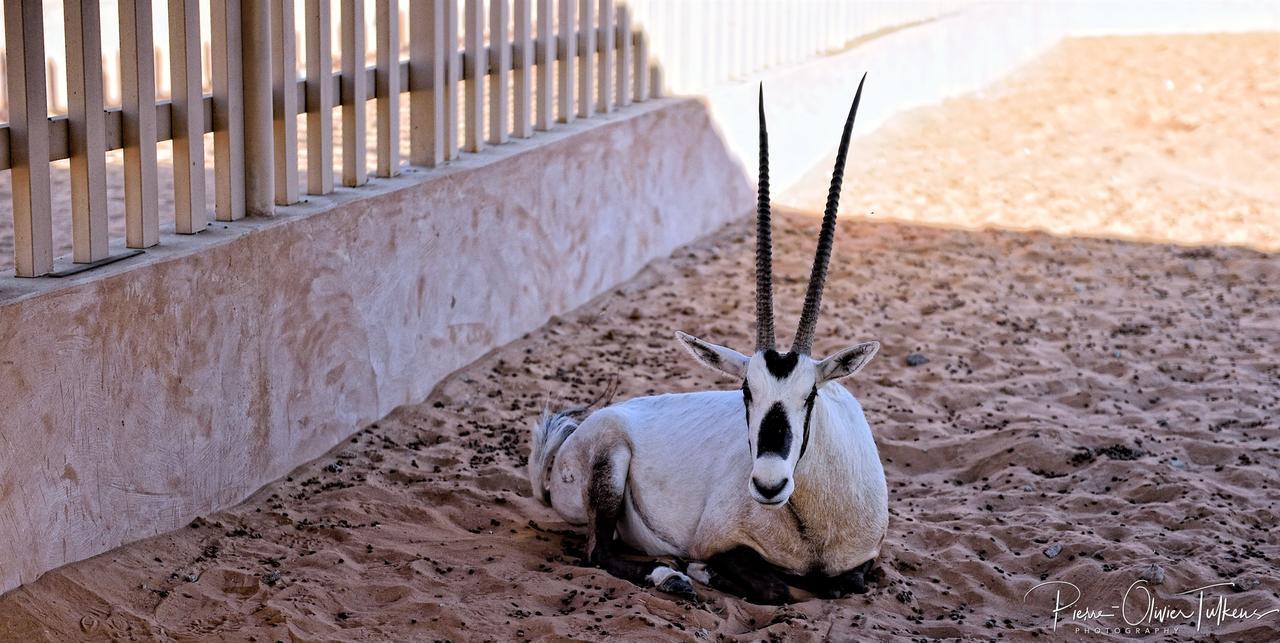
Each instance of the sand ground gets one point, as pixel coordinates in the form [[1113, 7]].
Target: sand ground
[[1086, 255]]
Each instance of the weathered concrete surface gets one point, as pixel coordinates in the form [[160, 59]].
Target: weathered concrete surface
[[136, 397]]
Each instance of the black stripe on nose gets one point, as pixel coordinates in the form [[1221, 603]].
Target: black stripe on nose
[[775, 433]]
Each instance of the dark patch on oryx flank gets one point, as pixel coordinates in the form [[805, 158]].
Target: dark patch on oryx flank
[[742, 571], [775, 433], [604, 506], [604, 510], [780, 365]]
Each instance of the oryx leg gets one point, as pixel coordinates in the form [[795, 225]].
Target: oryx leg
[[743, 572], [853, 581], [605, 495]]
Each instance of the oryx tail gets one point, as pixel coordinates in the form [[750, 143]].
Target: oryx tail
[[549, 433]]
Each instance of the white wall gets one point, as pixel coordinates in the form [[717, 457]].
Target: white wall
[[956, 53]]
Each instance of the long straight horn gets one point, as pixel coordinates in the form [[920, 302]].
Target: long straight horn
[[813, 298], [764, 245]]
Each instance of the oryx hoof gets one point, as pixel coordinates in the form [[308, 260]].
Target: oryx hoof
[[671, 581], [680, 586]]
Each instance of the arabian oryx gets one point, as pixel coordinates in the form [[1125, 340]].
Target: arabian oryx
[[773, 486]]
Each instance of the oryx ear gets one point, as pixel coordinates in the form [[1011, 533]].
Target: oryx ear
[[846, 362], [720, 358]]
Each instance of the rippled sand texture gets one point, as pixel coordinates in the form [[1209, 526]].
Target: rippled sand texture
[[1090, 407], [1151, 139]]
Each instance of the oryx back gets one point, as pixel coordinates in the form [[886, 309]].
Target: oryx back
[[679, 450]]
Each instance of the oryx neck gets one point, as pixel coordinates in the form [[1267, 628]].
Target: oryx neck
[[821, 452]]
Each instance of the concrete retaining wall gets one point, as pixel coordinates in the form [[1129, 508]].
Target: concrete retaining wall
[[139, 395]]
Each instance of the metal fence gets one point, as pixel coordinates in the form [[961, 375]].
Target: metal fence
[[522, 66], [703, 43], [259, 74]]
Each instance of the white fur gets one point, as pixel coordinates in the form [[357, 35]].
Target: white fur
[[689, 459], [661, 573], [698, 572]]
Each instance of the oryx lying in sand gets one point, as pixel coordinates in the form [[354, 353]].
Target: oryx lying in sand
[[797, 499]]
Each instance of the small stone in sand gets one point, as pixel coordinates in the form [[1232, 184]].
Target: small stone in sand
[[1053, 550], [1083, 455], [916, 359], [1153, 574], [1121, 452]]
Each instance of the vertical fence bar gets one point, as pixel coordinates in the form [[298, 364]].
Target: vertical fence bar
[[475, 63], [28, 137], [546, 56], [567, 47], [624, 55], [587, 57], [355, 92], [388, 88], [284, 77], [427, 82], [88, 131], [259, 166], [138, 83], [454, 74], [499, 65], [608, 40], [186, 116], [319, 97], [642, 66], [522, 51], [228, 110]]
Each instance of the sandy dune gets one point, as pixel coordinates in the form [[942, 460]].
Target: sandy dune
[[1093, 410]]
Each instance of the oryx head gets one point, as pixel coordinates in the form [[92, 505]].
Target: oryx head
[[779, 389]]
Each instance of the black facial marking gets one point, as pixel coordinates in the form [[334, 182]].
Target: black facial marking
[[775, 433], [808, 413], [780, 364]]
